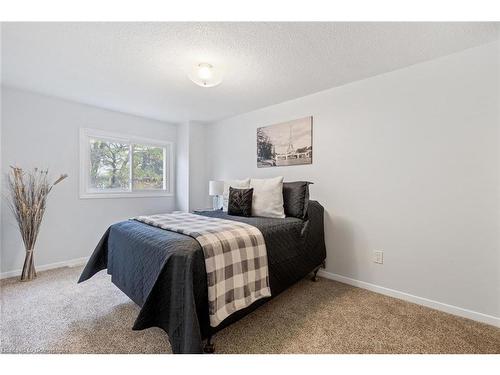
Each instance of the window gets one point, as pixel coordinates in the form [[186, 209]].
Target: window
[[113, 165]]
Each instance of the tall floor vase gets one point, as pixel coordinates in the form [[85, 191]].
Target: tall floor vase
[[28, 196], [29, 272]]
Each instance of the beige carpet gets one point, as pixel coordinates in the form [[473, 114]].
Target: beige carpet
[[53, 314]]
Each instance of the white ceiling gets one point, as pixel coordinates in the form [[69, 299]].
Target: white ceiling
[[141, 68]]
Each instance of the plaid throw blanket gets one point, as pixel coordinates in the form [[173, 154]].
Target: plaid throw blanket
[[235, 259]]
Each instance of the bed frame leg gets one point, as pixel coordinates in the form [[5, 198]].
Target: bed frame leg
[[209, 347], [315, 274]]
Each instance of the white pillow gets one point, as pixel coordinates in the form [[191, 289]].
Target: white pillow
[[267, 198], [237, 184]]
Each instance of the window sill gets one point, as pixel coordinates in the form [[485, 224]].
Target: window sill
[[125, 195]]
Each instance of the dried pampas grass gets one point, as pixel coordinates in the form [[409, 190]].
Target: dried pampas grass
[[28, 197]]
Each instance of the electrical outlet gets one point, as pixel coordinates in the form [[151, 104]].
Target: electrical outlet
[[378, 256]]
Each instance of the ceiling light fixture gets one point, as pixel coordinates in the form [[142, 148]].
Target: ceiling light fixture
[[205, 75]]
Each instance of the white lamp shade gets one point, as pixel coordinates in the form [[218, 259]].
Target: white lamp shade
[[215, 188]]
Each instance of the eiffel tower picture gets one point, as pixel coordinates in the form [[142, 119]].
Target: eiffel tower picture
[[284, 144], [290, 149]]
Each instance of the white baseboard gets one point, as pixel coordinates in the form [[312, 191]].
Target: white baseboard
[[45, 267], [455, 310]]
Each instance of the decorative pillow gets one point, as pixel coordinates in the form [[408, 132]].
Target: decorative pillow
[[240, 202], [239, 184], [267, 197], [296, 198]]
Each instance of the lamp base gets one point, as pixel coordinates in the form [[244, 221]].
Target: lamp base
[[215, 204]]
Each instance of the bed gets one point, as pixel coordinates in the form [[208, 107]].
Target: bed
[[164, 272]]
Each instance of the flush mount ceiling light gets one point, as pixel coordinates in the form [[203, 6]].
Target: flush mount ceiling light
[[205, 75]]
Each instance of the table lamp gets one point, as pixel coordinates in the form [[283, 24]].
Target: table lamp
[[216, 189]]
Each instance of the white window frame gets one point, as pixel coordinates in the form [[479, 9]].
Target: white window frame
[[85, 192]]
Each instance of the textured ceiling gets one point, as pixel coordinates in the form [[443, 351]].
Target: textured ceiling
[[141, 68]]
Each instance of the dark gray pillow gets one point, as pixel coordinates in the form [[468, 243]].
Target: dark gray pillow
[[240, 202], [296, 198]]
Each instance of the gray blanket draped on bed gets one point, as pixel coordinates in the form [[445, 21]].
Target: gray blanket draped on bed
[[164, 272]]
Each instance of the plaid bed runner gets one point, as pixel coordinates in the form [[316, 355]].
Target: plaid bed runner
[[235, 259]]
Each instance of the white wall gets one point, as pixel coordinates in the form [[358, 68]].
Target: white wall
[[198, 175], [192, 183], [182, 168], [43, 131], [1, 169], [406, 162]]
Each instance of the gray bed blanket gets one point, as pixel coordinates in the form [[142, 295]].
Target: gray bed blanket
[[164, 272]]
